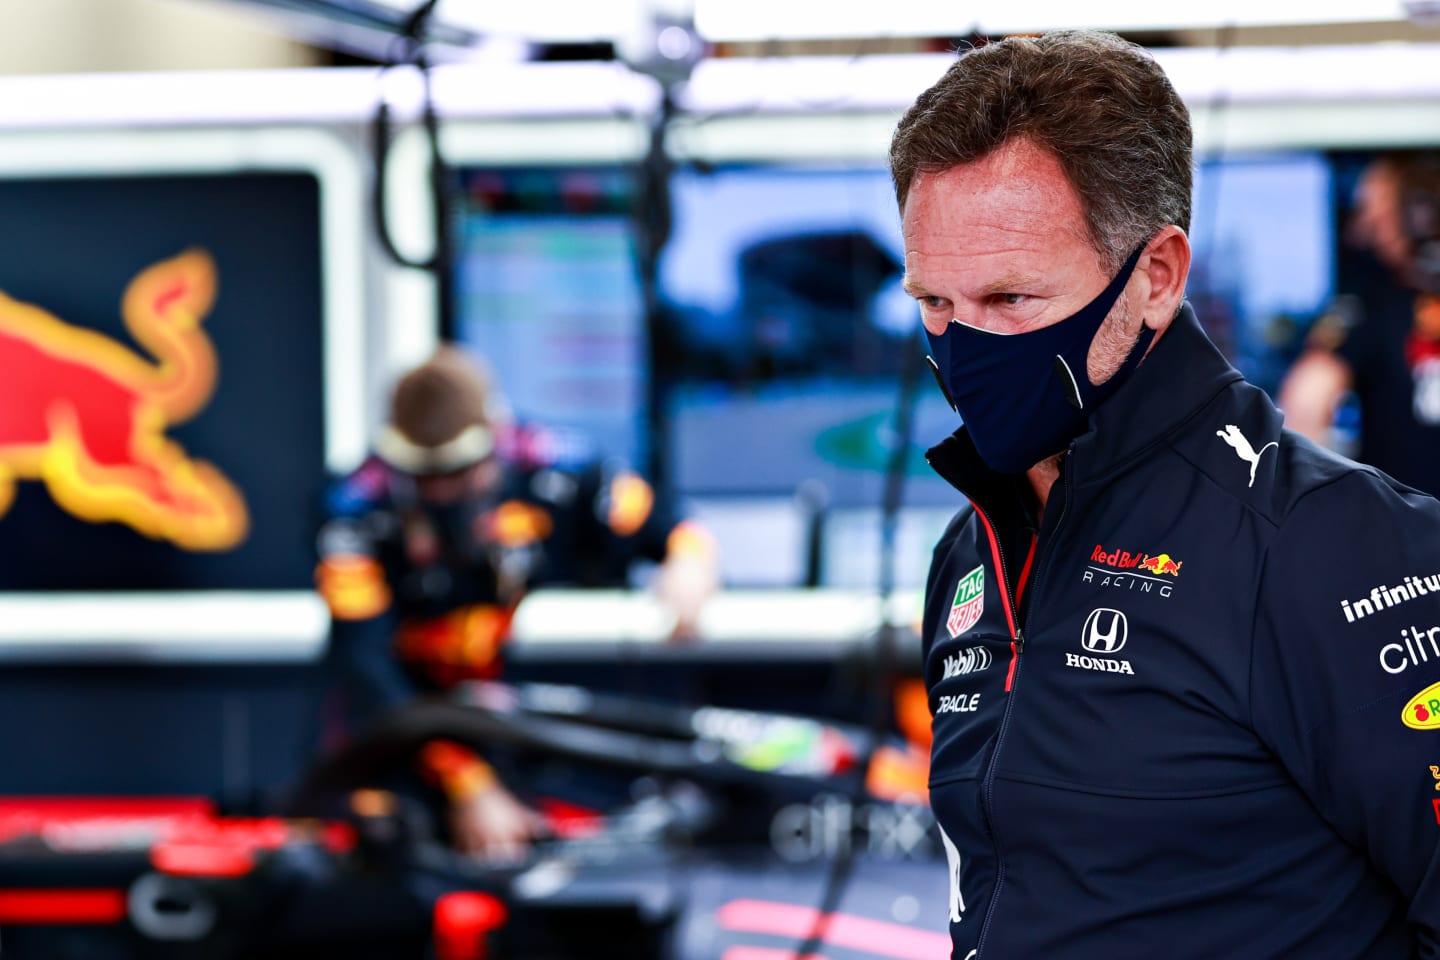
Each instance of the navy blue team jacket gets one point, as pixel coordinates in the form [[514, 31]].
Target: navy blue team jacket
[[1195, 711]]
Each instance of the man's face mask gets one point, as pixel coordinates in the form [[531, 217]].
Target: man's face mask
[[447, 505], [1025, 396]]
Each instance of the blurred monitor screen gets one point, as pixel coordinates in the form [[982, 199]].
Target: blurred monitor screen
[[549, 296], [788, 333], [1263, 234]]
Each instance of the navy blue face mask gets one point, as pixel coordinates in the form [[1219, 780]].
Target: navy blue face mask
[[1025, 396]]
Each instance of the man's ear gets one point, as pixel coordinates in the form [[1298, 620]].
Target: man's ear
[[1166, 265]]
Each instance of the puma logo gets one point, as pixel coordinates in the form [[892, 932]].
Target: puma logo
[[1232, 435]]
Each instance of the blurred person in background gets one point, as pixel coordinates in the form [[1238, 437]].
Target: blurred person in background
[[434, 541], [1185, 701], [1381, 338]]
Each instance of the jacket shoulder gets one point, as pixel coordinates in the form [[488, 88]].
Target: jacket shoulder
[[358, 493], [1240, 444]]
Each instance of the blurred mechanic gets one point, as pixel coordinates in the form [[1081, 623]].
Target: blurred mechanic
[[1381, 338], [434, 541], [1184, 664]]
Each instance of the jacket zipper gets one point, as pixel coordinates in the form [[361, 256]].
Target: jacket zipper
[[1008, 604], [1018, 646], [1011, 607]]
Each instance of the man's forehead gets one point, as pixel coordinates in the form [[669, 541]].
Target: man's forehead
[[1017, 181], [1001, 223]]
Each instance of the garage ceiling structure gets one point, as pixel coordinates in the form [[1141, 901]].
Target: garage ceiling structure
[[470, 29]]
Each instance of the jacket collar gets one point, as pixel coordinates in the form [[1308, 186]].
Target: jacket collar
[[1182, 373]]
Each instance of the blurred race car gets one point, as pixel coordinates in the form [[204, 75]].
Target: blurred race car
[[673, 834]]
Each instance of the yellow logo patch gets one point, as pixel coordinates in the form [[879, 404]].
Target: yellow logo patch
[[354, 587], [1423, 710], [631, 500], [517, 524]]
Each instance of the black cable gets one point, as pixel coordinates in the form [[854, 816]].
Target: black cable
[[441, 261], [441, 200], [883, 661], [653, 216]]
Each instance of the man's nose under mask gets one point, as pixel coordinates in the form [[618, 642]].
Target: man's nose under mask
[[1025, 396]]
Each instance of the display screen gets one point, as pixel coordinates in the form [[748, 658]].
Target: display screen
[[1263, 234], [783, 334], [550, 298], [790, 335]]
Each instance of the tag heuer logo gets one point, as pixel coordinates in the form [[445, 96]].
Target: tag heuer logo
[[969, 602]]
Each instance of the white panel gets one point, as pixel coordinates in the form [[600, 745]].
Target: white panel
[[809, 19], [217, 625]]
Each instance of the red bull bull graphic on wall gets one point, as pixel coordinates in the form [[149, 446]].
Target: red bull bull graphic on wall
[[86, 415]]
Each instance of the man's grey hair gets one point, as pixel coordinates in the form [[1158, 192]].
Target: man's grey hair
[[1100, 104]]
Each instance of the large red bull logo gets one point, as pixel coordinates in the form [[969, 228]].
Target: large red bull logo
[[86, 415]]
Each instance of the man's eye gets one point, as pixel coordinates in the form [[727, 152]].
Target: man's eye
[[1012, 299], [935, 303]]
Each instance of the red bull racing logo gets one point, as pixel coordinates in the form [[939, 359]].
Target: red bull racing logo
[[1124, 560], [1423, 710], [969, 602], [86, 416], [1139, 570]]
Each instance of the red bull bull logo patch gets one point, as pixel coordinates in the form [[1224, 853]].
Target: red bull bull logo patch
[[1164, 563], [86, 416], [1423, 710], [969, 602]]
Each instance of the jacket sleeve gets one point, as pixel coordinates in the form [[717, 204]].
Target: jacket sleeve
[[954, 542], [621, 519], [352, 581], [363, 658], [1345, 664]]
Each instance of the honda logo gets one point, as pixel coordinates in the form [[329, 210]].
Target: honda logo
[[1105, 631]]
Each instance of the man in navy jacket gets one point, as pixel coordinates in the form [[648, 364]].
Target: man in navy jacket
[[430, 546], [1184, 665]]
